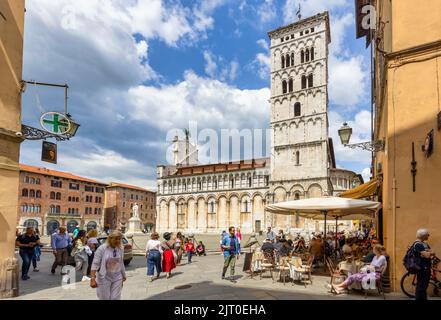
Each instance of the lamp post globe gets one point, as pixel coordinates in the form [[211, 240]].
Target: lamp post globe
[[345, 133]]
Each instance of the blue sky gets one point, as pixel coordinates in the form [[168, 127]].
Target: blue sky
[[139, 68]]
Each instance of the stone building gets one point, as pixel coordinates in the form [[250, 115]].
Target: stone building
[[120, 199], [407, 116], [209, 198], [49, 199], [11, 66]]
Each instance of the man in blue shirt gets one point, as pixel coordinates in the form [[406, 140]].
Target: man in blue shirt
[[230, 244], [60, 242]]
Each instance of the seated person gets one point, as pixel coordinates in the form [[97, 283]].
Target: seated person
[[200, 249], [346, 249], [279, 244], [267, 245], [286, 249], [378, 262]]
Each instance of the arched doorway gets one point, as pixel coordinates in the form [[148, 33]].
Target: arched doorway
[[71, 225], [52, 226], [31, 223], [91, 225]]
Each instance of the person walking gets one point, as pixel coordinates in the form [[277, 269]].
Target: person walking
[[79, 252], [92, 243], [179, 247], [190, 249], [108, 272], [60, 243], [239, 236], [169, 255], [423, 253], [153, 251], [37, 252], [230, 245], [27, 243]]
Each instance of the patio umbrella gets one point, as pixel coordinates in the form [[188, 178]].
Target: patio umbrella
[[327, 207]]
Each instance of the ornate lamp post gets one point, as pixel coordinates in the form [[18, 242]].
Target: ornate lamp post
[[345, 133]]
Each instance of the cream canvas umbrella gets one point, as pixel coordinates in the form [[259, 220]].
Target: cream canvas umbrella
[[327, 207]]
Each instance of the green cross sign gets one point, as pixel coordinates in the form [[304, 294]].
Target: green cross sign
[[58, 125]]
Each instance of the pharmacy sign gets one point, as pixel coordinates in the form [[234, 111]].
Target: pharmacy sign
[[55, 122]]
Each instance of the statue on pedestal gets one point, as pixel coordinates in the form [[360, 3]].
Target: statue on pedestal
[[135, 211]]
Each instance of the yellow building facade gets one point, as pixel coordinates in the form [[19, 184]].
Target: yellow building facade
[[11, 58], [407, 104]]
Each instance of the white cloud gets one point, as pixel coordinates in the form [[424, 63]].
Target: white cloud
[[263, 44], [210, 64], [310, 7], [267, 11], [213, 104], [347, 81], [228, 72], [360, 125], [366, 174]]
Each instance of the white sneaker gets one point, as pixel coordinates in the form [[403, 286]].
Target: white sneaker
[[85, 278]]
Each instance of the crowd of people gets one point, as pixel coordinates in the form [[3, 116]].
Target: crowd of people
[[167, 255], [103, 265]]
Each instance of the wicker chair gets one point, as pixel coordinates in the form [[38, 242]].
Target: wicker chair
[[304, 270], [334, 272], [284, 269], [268, 263]]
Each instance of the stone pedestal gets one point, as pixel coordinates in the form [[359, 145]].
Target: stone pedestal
[[134, 226], [9, 278]]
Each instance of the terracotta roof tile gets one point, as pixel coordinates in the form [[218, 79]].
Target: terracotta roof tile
[[55, 173], [127, 186]]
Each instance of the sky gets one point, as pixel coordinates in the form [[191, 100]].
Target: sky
[[138, 70]]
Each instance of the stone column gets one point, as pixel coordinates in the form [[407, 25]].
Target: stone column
[[11, 61], [227, 209]]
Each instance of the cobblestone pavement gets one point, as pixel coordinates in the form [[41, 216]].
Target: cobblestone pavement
[[203, 277]]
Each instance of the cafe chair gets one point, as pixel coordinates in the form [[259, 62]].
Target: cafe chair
[[378, 284], [268, 263], [303, 271], [335, 274]]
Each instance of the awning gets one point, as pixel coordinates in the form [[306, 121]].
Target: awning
[[365, 190]]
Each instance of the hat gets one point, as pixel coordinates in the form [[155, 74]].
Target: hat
[[167, 236], [92, 241]]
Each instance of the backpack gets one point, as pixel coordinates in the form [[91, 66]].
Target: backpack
[[410, 261]]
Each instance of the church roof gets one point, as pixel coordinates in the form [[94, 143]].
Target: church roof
[[222, 167], [127, 186]]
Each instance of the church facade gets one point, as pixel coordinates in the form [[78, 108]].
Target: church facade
[[209, 198]]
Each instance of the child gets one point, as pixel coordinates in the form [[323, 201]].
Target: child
[[200, 250], [190, 249]]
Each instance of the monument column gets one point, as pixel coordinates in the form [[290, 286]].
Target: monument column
[[11, 61]]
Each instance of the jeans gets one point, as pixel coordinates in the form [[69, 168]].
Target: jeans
[[36, 257], [60, 258], [189, 255], [153, 260], [26, 256], [231, 262], [423, 279]]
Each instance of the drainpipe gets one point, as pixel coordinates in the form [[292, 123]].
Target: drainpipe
[[394, 230]]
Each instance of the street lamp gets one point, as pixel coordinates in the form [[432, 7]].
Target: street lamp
[[73, 126], [345, 133]]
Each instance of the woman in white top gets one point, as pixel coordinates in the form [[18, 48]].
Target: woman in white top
[[108, 272], [153, 253], [379, 263]]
